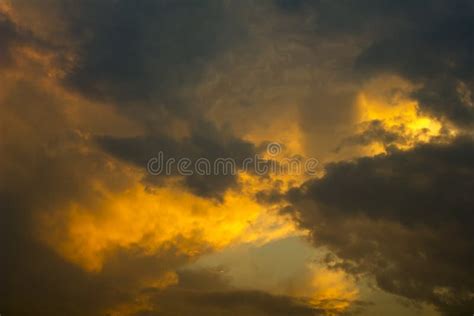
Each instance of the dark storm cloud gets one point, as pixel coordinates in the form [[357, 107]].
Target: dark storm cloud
[[207, 292], [146, 51], [146, 57], [205, 142], [355, 17], [423, 174], [438, 55], [405, 218], [429, 43]]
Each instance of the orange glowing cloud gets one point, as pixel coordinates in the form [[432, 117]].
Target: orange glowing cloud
[[386, 100], [155, 220]]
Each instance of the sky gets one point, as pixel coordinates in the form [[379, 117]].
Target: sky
[[350, 126]]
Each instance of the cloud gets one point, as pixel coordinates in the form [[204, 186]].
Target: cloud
[[207, 292], [15, 39], [147, 59], [428, 43], [206, 142], [403, 217], [42, 171], [78, 226], [142, 51], [92, 89], [374, 132], [432, 48], [9, 34]]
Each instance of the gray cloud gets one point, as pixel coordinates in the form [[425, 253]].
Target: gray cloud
[[207, 292], [404, 217], [9, 34], [147, 51], [146, 58], [205, 142], [433, 48], [426, 42], [374, 132], [14, 36]]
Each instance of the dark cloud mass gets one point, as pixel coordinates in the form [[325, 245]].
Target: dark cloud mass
[[147, 51], [91, 90], [427, 42], [146, 56], [405, 217], [433, 48], [205, 143]]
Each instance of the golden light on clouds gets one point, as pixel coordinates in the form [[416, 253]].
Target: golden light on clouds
[[166, 218], [385, 101], [399, 115], [330, 290], [379, 101], [333, 290]]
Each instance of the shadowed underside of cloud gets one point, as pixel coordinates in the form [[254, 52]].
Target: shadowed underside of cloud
[[230, 303], [404, 217], [208, 292], [206, 142]]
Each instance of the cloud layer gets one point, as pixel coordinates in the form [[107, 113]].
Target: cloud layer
[[380, 92]]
